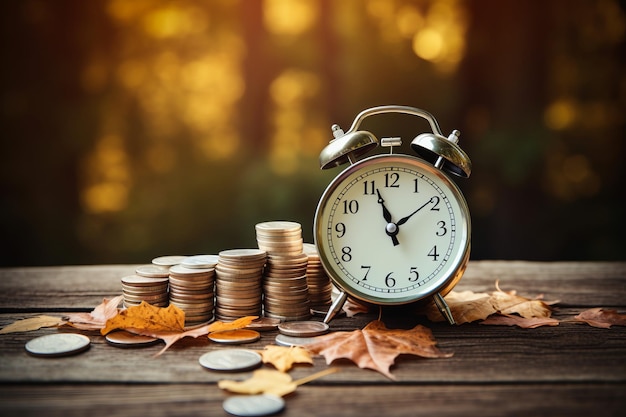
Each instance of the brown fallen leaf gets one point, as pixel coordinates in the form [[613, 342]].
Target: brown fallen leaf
[[32, 323], [466, 307], [523, 322], [352, 307], [508, 302], [97, 318], [376, 347], [602, 318], [269, 381], [283, 357]]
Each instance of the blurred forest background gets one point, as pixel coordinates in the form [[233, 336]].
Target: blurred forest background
[[138, 128]]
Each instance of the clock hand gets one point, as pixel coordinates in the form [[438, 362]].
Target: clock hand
[[405, 219], [391, 229]]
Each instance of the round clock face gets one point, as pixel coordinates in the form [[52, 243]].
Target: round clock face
[[393, 229]]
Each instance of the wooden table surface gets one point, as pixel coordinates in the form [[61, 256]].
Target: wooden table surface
[[568, 370]]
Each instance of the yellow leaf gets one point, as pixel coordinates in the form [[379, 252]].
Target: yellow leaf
[[240, 323], [33, 323], [266, 381], [263, 381], [148, 317], [283, 357]]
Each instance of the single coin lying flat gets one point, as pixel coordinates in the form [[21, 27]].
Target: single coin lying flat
[[124, 339], [235, 336], [303, 328], [59, 344], [230, 360], [253, 405]]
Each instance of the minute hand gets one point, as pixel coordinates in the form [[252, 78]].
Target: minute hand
[[405, 219]]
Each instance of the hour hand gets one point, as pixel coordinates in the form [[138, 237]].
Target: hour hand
[[391, 228]]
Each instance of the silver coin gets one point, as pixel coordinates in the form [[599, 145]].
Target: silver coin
[[126, 339], [253, 405], [284, 340], [201, 261], [230, 360], [169, 260], [58, 344], [303, 328]]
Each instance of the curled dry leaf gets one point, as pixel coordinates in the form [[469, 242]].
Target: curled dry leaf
[[97, 318], [602, 318], [283, 357], [376, 347], [32, 323], [468, 306], [509, 303], [523, 322]]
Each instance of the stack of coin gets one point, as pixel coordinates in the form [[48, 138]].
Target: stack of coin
[[279, 237], [320, 287], [192, 290], [151, 289], [238, 287], [286, 294]]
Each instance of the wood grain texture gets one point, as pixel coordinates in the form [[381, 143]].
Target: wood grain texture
[[568, 370]]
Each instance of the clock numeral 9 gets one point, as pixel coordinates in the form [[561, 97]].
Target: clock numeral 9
[[340, 228]]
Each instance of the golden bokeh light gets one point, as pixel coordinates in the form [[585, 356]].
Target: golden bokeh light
[[107, 176], [289, 17], [560, 114]]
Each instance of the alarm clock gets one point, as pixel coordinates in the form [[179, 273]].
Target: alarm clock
[[393, 229]]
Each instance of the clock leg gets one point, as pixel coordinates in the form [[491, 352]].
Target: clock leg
[[443, 308], [335, 306]]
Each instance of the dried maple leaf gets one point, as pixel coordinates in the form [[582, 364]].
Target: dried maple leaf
[[376, 347], [269, 381], [283, 357], [599, 317], [147, 317], [32, 323], [97, 318], [523, 322]]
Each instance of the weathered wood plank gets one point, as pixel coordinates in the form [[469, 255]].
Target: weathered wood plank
[[156, 400], [83, 287]]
